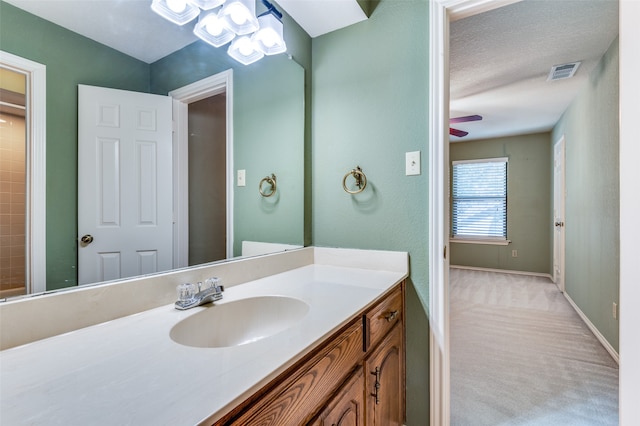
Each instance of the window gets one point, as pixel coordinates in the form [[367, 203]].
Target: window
[[479, 207]]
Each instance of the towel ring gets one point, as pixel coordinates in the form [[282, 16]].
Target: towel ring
[[271, 180], [359, 176]]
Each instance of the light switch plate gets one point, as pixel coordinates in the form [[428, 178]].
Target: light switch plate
[[413, 163], [242, 181]]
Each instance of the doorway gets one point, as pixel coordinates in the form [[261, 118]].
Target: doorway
[[13, 184], [32, 220], [207, 180], [220, 87]]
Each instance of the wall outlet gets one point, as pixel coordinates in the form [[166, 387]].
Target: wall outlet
[[615, 310], [514, 253]]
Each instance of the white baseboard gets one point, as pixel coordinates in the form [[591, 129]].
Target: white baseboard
[[503, 271], [594, 330]]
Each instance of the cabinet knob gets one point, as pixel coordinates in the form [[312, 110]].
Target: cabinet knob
[[391, 316]]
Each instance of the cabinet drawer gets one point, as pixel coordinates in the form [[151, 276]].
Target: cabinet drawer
[[298, 398], [381, 318]]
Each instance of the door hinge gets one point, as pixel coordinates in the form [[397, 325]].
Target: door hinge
[[445, 252]]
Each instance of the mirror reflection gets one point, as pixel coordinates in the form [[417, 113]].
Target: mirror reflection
[[264, 114]]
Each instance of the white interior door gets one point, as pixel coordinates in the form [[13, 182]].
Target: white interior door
[[558, 213], [124, 184]]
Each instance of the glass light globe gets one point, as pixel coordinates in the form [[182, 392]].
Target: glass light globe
[[245, 47], [238, 16], [214, 27], [269, 38], [243, 50], [177, 5]]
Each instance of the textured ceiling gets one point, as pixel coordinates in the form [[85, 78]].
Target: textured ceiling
[[500, 60], [132, 28]]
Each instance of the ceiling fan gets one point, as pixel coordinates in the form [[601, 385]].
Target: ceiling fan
[[461, 133]]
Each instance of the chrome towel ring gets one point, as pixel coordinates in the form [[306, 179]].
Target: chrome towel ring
[[359, 176], [271, 189]]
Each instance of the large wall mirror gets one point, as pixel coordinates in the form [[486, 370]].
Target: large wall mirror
[[268, 131]]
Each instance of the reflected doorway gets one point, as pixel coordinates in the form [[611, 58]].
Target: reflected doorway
[[207, 180], [33, 219], [216, 92], [13, 183]]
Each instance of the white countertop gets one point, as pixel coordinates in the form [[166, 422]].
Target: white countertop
[[129, 372]]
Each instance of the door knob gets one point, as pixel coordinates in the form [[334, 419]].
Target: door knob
[[86, 239]]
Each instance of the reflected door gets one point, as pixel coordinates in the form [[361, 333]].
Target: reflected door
[[558, 213], [124, 184]]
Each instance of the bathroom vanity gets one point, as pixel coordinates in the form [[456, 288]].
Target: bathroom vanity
[[311, 336]]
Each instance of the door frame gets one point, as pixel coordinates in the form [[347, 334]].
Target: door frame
[[36, 137], [441, 12], [559, 257], [182, 97]]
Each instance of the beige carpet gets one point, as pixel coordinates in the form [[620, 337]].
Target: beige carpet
[[520, 355]]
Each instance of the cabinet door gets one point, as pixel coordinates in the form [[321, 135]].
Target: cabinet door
[[385, 381], [347, 407]]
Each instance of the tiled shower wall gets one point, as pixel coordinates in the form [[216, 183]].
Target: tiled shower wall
[[12, 205]]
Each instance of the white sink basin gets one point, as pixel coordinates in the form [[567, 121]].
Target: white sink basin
[[239, 322]]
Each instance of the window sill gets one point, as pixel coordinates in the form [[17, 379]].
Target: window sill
[[480, 241]]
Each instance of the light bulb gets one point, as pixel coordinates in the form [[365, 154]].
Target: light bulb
[[269, 38], [238, 16], [177, 6], [214, 27], [245, 48]]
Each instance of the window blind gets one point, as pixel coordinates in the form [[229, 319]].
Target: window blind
[[479, 193]]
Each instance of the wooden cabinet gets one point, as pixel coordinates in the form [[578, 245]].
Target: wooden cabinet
[[354, 378]]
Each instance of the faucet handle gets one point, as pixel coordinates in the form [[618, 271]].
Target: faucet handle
[[215, 283], [186, 292]]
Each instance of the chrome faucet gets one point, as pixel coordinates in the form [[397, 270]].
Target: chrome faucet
[[188, 298]]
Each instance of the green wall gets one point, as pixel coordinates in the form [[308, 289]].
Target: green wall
[[591, 129], [529, 201], [71, 60], [370, 106], [269, 118]]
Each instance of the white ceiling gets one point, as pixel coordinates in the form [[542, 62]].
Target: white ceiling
[[500, 61], [319, 17], [132, 28]]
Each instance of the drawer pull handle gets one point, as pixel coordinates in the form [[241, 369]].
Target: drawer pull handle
[[376, 385], [391, 316]]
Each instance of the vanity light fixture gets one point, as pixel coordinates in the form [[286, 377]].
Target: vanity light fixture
[[177, 11], [220, 21]]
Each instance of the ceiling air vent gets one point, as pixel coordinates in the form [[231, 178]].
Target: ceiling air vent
[[560, 72]]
